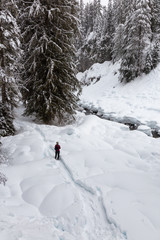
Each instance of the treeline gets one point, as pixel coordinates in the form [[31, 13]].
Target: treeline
[[37, 60], [126, 30]]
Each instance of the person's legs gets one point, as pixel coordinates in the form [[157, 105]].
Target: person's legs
[[58, 154], [55, 154]]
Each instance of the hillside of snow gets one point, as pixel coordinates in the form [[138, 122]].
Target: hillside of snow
[[137, 101], [106, 185]]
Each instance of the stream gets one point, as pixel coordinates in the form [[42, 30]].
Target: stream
[[132, 123]]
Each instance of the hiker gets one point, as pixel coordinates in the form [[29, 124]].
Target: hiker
[[57, 150]]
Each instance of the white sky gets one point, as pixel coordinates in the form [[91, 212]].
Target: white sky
[[103, 2]]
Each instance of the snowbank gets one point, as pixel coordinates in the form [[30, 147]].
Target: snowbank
[[106, 185], [138, 99]]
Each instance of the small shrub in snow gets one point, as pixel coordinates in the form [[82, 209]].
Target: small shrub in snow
[[3, 179]]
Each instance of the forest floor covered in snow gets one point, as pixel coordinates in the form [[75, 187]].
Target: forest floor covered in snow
[[106, 185]]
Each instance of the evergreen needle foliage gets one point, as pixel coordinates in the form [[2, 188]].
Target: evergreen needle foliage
[[6, 121], [127, 31], [48, 32], [9, 53]]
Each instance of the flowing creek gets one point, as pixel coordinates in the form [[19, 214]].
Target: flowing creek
[[132, 123]]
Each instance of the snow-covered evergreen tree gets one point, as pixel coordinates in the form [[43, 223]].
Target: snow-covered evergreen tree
[[136, 37], [128, 8], [155, 12], [88, 53], [9, 53], [148, 63], [97, 32], [82, 61], [155, 27], [6, 121], [48, 30], [98, 18], [127, 30], [155, 54], [103, 40], [82, 24], [118, 41], [152, 57], [108, 32]]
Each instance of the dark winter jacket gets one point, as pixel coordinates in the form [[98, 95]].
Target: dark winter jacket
[[57, 147]]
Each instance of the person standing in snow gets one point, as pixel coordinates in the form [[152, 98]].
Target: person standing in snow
[[57, 150]]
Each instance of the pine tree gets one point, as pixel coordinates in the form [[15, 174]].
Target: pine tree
[[128, 8], [148, 63], [136, 38], [155, 27], [86, 23], [98, 18], [155, 12], [9, 53], [97, 32], [80, 41], [117, 12], [6, 121], [121, 10], [152, 57], [107, 31], [118, 41], [88, 53], [128, 30], [155, 54], [82, 25], [89, 17], [49, 29]]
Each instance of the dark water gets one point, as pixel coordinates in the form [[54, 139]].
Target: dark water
[[132, 125]]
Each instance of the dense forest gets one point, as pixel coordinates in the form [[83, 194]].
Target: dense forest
[[37, 60], [43, 43], [127, 31]]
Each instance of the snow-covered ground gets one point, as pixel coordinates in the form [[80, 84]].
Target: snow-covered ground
[[106, 185], [137, 101]]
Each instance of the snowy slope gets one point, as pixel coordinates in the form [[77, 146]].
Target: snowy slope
[[138, 100], [106, 185]]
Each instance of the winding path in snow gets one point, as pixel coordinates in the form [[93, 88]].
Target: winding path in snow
[[95, 196], [77, 197], [97, 223]]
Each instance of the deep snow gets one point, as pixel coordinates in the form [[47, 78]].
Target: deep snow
[[135, 101], [106, 185]]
